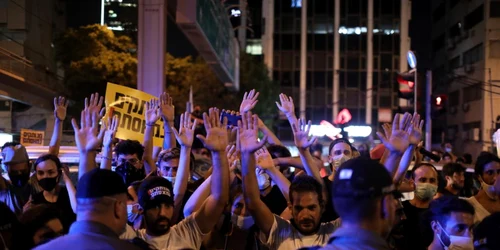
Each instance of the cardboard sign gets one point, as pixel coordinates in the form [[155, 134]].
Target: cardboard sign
[[32, 137], [128, 104]]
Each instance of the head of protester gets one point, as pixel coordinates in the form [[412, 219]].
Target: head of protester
[[168, 163], [425, 179], [240, 216], [487, 169], [486, 233], [48, 170], [306, 204], [156, 198], [364, 196], [452, 220], [340, 150], [16, 161], [39, 224], [454, 173], [128, 155]]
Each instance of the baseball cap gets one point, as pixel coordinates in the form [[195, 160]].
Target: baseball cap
[[100, 183], [362, 178], [486, 233], [155, 190], [15, 154]]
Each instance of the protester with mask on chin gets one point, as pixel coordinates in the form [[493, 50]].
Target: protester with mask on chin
[[49, 172], [425, 180], [454, 173], [486, 201], [39, 224], [452, 220], [16, 192]]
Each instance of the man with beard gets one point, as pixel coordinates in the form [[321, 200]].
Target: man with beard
[[15, 193], [156, 198], [306, 200], [454, 173]]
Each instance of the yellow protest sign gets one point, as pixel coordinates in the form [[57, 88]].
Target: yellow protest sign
[[128, 104], [32, 137]]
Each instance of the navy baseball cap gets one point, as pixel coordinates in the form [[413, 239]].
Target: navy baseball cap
[[362, 178], [100, 183], [154, 191]]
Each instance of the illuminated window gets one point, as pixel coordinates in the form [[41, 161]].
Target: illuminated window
[[296, 3]]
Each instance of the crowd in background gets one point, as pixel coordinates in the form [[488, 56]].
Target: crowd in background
[[215, 184]]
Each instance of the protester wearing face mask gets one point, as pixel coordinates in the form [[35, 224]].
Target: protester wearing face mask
[[49, 172], [129, 155], [487, 201], [454, 173], [16, 192], [452, 223], [425, 181]]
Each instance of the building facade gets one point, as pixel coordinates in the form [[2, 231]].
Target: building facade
[[282, 55], [466, 63]]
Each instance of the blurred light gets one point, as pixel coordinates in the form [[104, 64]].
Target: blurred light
[[296, 3], [438, 100], [235, 12], [357, 30]]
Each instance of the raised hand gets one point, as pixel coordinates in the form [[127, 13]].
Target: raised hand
[[301, 134], [232, 156], [152, 113], [66, 173], [86, 135], [216, 139], [167, 109], [185, 135], [94, 106], [286, 106], [414, 129], [110, 128], [249, 101], [387, 127], [399, 140], [60, 107], [264, 159], [248, 133]]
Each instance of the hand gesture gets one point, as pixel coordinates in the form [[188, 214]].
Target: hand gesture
[[399, 141], [249, 101], [216, 139], [167, 109], [232, 156], [264, 159], [60, 107], [65, 173], [301, 134], [286, 105], [86, 135], [248, 133], [95, 105], [185, 135], [387, 127], [152, 112], [414, 129], [110, 129]]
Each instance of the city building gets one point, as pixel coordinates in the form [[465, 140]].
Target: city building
[[120, 16], [281, 47], [466, 59]]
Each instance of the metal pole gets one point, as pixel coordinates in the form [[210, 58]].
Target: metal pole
[[369, 65], [242, 31], [303, 59], [336, 60], [428, 108], [491, 109], [415, 90], [267, 37]]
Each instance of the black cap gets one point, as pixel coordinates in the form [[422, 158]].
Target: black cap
[[100, 183], [362, 177], [154, 191], [486, 233]]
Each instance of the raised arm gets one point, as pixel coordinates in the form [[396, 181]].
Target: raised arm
[[216, 141], [185, 137], [167, 114], [151, 115], [397, 143], [248, 131], [265, 162], [60, 107], [198, 197], [287, 108], [414, 131], [110, 128], [70, 187], [86, 135]]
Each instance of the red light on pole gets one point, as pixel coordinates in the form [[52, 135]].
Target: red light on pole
[[438, 101]]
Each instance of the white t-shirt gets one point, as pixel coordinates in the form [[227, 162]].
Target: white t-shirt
[[284, 235], [184, 235], [480, 211]]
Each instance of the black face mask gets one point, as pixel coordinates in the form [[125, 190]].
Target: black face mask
[[49, 183], [130, 173], [19, 180]]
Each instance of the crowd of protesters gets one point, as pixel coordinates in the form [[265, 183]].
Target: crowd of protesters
[[216, 185]]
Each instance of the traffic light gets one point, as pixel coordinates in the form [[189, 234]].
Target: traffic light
[[406, 84], [439, 105]]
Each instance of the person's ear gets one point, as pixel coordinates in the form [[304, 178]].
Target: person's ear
[[290, 206], [435, 227], [117, 209]]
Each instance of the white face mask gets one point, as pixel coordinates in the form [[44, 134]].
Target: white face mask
[[262, 179], [457, 242], [425, 191], [448, 150], [131, 216], [489, 190], [170, 178], [338, 160], [242, 222]]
